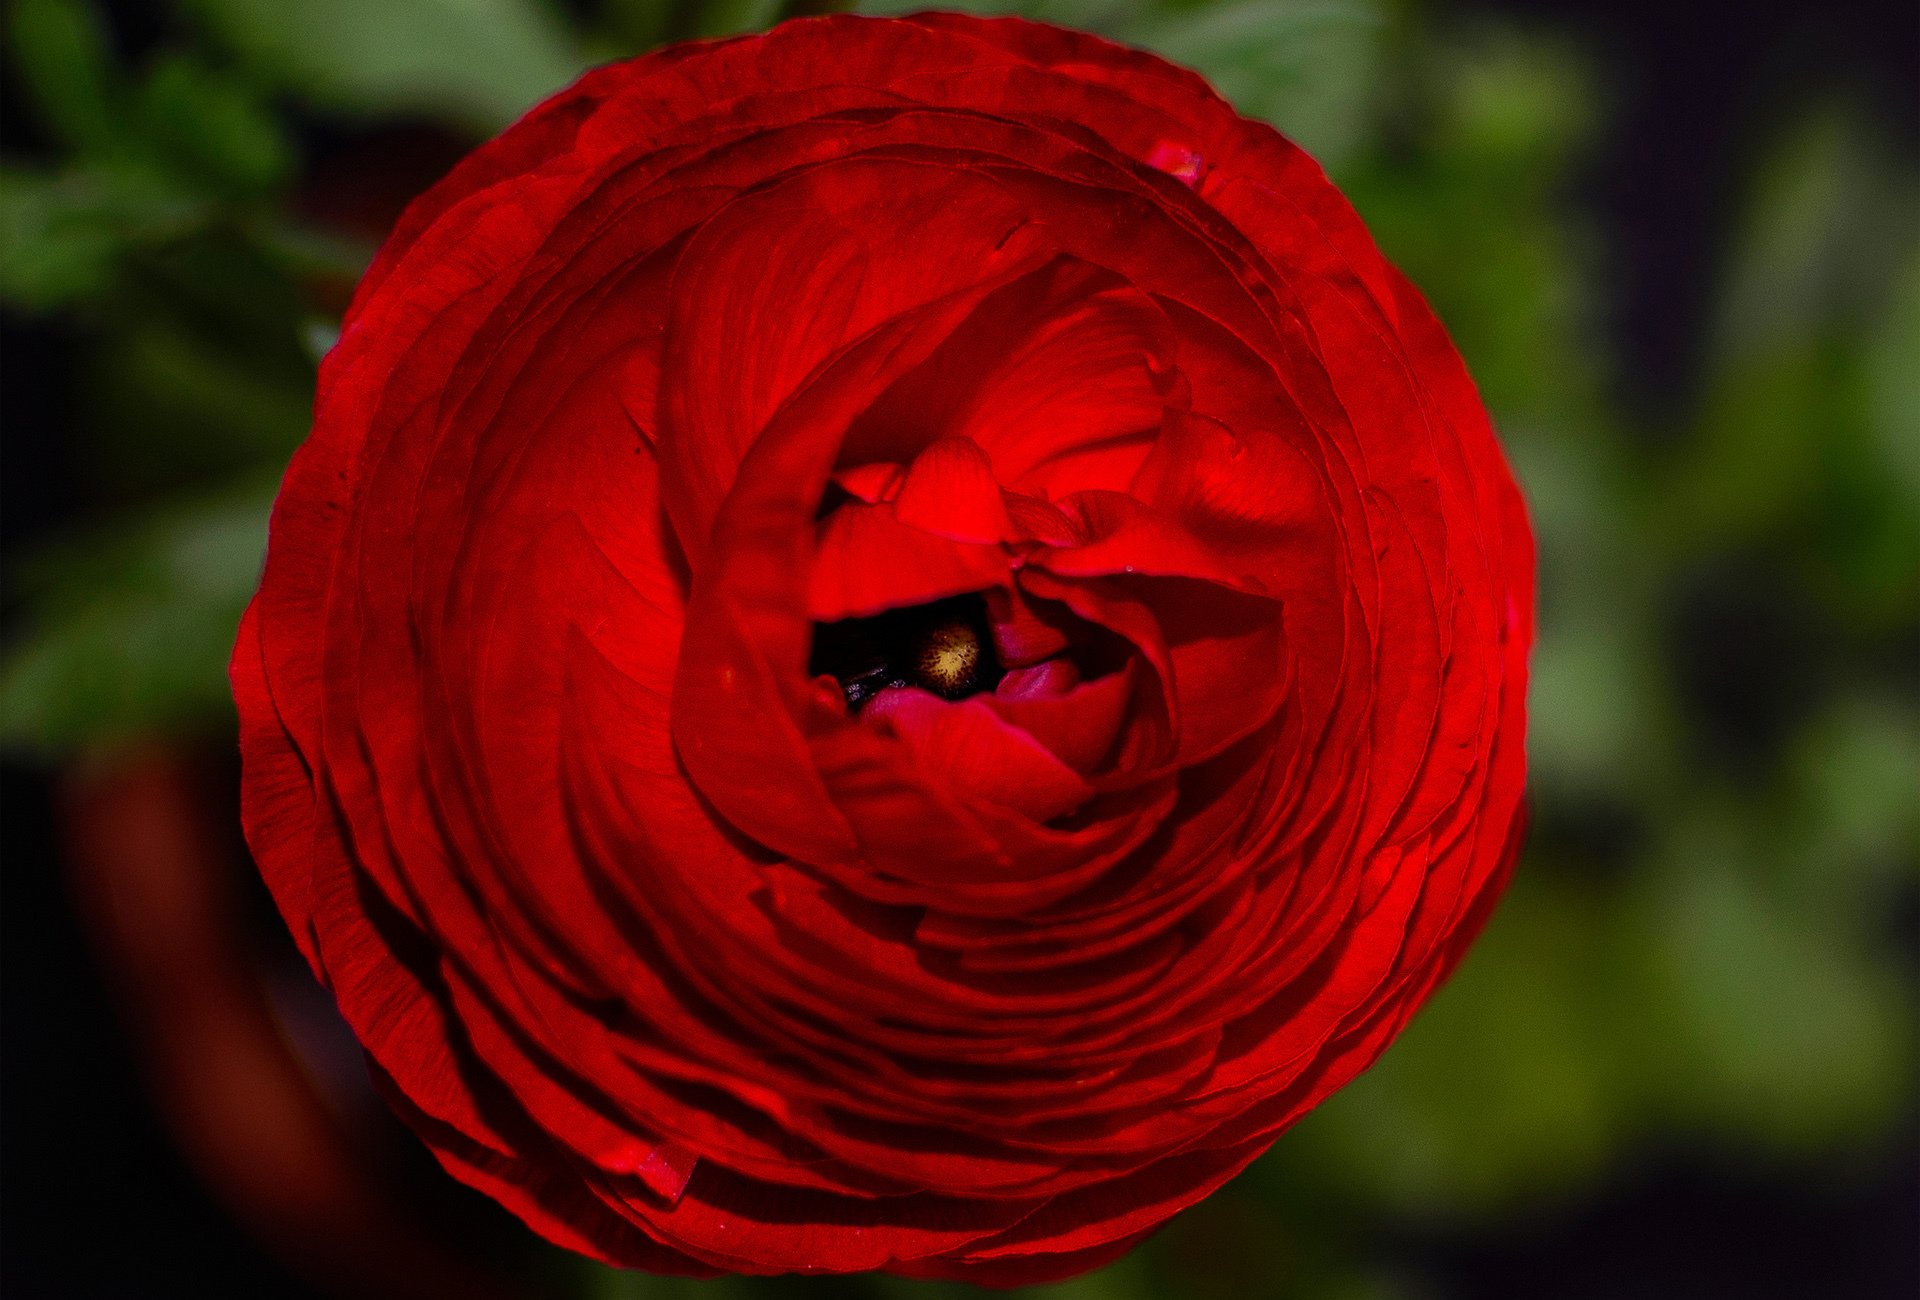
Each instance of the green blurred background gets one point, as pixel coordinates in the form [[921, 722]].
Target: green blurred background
[[1679, 245]]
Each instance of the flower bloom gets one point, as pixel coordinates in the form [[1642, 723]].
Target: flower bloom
[[894, 646]]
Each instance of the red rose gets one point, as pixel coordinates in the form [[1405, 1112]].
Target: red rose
[[895, 645]]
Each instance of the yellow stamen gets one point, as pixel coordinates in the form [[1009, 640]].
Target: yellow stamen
[[949, 658]]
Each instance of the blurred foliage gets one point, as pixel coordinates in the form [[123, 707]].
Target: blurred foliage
[[478, 62], [1725, 720], [130, 620]]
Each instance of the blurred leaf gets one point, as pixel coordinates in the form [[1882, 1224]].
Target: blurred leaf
[[603, 1283], [1762, 441], [1766, 1022], [59, 239], [131, 633], [1805, 431], [1518, 104], [1500, 1090], [633, 24], [1594, 710], [1830, 219], [195, 367], [175, 408], [62, 236], [1307, 66], [1100, 16], [306, 252], [477, 62], [318, 337], [221, 281], [727, 17], [1854, 772], [1893, 386], [66, 69], [1472, 206], [212, 126]]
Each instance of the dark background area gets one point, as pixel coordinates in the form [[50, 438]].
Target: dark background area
[[1642, 192]]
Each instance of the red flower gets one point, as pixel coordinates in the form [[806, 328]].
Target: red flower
[[895, 645]]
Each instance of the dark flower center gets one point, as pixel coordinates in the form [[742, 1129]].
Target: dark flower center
[[944, 647]]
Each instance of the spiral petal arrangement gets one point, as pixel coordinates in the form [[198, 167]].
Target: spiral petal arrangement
[[894, 646]]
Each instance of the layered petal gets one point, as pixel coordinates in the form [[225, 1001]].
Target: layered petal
[[895, 644]]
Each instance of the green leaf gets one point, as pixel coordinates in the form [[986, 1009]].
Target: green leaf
[[307, 251], [1853, 772], [130, 634], [476, 62], [1470, 205], [1800, 438], [66, 70], [58, 239], [212, 126], [629, 25], [1829, 224], [1893, 386], [1501, 1090], [1595, 710], [62, 236], [726, 17], [1768, 1022], [174, 407], [1310, 67], [1307, 66], [1516, 107], [1092, 15]]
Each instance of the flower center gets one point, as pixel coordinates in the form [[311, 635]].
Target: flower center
[[943, 647], [948, 659]]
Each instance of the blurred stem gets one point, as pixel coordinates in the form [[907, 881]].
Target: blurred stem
[[157, 886], [307, 251]]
